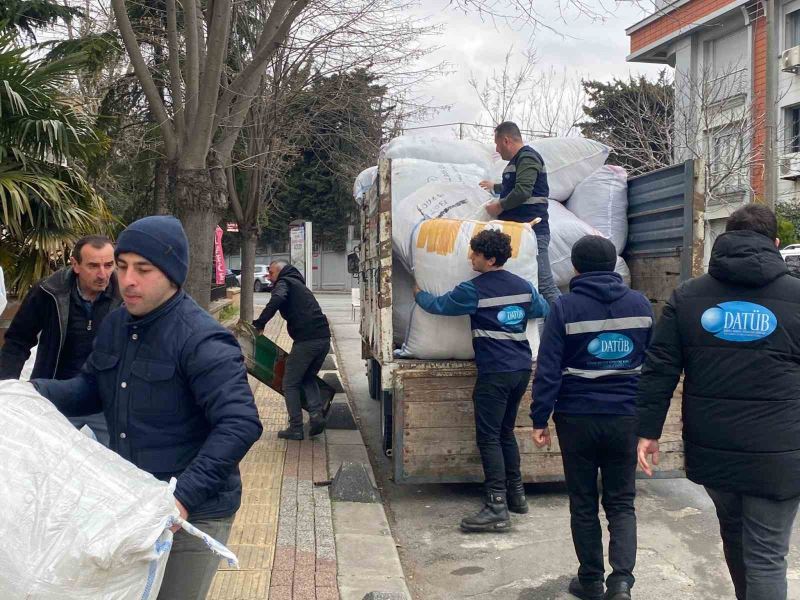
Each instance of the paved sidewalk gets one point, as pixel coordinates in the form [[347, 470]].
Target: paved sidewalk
[[283, 532]]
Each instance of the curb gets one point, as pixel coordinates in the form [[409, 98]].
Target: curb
[[368, 562]]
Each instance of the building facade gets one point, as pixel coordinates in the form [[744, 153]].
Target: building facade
[[718, 49]]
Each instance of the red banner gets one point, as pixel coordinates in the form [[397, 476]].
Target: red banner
[[219, 258]]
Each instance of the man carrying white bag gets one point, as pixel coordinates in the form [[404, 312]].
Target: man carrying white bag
[[78, 521], [173, 386]]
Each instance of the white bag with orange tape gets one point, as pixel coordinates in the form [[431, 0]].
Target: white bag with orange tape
[[441, 261]]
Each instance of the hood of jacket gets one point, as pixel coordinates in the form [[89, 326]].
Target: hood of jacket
[[604, 286], [290, 272], [746, 258]]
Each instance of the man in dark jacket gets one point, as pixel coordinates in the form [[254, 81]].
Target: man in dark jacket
[[587, 372], [311, 336], [62, 314], [734, 334], [499, 304], [523, 197], [173, 385]]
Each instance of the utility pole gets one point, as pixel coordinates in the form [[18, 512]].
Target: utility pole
[[770, 141]]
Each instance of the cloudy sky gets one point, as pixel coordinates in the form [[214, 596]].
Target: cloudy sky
[[471, 46]]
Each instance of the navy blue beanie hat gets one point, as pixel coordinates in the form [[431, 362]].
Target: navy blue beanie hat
[[162, 241], [593, 253]]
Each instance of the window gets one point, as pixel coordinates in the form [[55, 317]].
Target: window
[[793, 129], [728, 168], [793, 262], [727, 74], [793, 29]]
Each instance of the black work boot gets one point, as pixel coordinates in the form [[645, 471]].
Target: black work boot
[[517, 502], [316, 424], [589, 591], [618, 591], [291, 433], [492, 517]]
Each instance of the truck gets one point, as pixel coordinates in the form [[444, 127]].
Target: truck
[[427, 420]]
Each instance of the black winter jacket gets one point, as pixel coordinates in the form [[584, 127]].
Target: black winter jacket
[[174, 390], [45, 310], [735, 334], [304, 317]]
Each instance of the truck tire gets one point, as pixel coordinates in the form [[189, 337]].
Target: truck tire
[[386, 423], [374, 379]]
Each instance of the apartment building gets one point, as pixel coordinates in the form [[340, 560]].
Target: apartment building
[[718, 50]]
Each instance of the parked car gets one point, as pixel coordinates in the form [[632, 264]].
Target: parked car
[[262, 282], [791, 254]]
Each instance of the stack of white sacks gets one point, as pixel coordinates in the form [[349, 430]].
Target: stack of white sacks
[[437, 206]]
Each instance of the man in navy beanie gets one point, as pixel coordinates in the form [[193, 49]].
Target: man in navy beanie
[[173, 386], [587, 371]]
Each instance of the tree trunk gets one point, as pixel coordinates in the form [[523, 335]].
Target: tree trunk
[[249, 239], [200, 199], [160, 187]]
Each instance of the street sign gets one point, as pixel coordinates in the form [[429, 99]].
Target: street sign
[[232, 227]]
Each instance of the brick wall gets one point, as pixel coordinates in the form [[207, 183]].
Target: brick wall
[[674, 20]]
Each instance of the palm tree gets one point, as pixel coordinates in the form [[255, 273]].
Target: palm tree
[[45, 201]]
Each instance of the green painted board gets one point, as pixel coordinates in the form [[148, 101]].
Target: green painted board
[[266, 361]]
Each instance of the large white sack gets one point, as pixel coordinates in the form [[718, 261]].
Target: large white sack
[[441, 262], [364, 181], [438, 149], [621, 267], [410, 174], [601, 200], [3, 297], [565, 230], [79, 522], [436, 200], [402, 300], [568, 161]]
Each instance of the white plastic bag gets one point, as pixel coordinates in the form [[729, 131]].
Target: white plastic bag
[[565, 230], [622, 269], [437, 200], [601, 200], [438, 149], [410, 174], [568, 161], [441, 262], [79, 522]]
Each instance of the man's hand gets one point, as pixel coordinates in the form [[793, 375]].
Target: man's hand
[[183, 512], [487, 185], [541, 437], [415, 288], [645, 448], [258, 328], [493, 208]]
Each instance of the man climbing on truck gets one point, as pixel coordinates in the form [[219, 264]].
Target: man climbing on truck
[[499, 304]]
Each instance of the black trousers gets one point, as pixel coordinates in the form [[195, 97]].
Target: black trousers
[[496, 399], [604, 443], [302, 365], [755, 538]]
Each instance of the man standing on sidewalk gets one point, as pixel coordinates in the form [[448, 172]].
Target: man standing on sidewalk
[[523, 197], [499, 304], [173, 385], [734, 334], [62, 314], [587, 371], [311, 337]]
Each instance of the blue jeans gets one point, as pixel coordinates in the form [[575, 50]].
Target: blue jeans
[[755, 538], [547, 286]]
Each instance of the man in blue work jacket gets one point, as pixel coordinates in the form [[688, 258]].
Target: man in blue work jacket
[[523, 197], [587, 371], [172, 384], [499, 304]]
